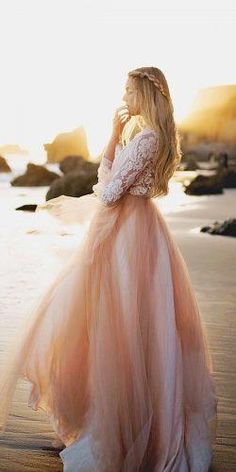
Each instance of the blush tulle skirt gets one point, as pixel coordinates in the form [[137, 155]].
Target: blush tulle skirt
[[116, 351]]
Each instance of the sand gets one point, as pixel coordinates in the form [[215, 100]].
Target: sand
[[29, 261]]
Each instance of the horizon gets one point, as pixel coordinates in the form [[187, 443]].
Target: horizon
[[58, 75]]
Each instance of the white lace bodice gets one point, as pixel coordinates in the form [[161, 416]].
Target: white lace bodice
[[132, 169]]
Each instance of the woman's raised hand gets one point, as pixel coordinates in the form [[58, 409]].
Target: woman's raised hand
[[121, 117]]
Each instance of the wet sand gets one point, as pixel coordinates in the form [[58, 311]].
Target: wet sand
[[27, 443], [212, 264]]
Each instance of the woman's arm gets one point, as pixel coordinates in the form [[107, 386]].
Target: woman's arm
[[109, 153], [120, 118], [105, 166], [139, 154]]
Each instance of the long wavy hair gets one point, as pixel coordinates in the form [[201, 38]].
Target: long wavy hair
[[156, 112]]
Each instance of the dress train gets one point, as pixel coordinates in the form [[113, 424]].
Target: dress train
[[116, 351]]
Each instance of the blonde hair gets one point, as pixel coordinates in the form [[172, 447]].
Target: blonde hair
[[156, 112]]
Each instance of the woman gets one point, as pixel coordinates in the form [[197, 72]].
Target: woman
[[116, 351]]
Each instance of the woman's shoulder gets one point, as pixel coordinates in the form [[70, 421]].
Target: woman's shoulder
[[144, 144], [146, 133], [147, 138], [144, 137]]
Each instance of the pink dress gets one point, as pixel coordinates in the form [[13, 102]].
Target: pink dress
[[116, 351]]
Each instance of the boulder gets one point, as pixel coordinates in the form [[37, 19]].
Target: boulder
[[229, 179], [190, 164], [72, 143], [29, 207], [13, 149], [4, 167], [212, 116], [73, 184], [227, 228], [203, 185], [35, 176], [72, 163]]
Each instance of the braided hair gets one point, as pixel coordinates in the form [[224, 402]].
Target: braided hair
[[153, 78], [157, 112]]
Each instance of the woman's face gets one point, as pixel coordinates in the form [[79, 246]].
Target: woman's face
[[130, 97]]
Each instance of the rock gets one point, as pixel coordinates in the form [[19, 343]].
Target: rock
[[4, 167], [229, 179], [72, 143], [72, 163], [223, 160], [73, 184], [190, 164], [212, 163], [29, 207], [213, 114], [227, 228], [35, 176], [13, 149], [203, 185]]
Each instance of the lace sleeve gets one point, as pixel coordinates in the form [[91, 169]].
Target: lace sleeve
[[104, 171], [140, 152], [105, 167]]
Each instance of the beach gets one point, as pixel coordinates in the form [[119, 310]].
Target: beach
[[31, 256]]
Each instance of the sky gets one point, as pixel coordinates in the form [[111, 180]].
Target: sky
[[64, 63]]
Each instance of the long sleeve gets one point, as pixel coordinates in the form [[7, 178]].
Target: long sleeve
[[138, 155], [104, 171]]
